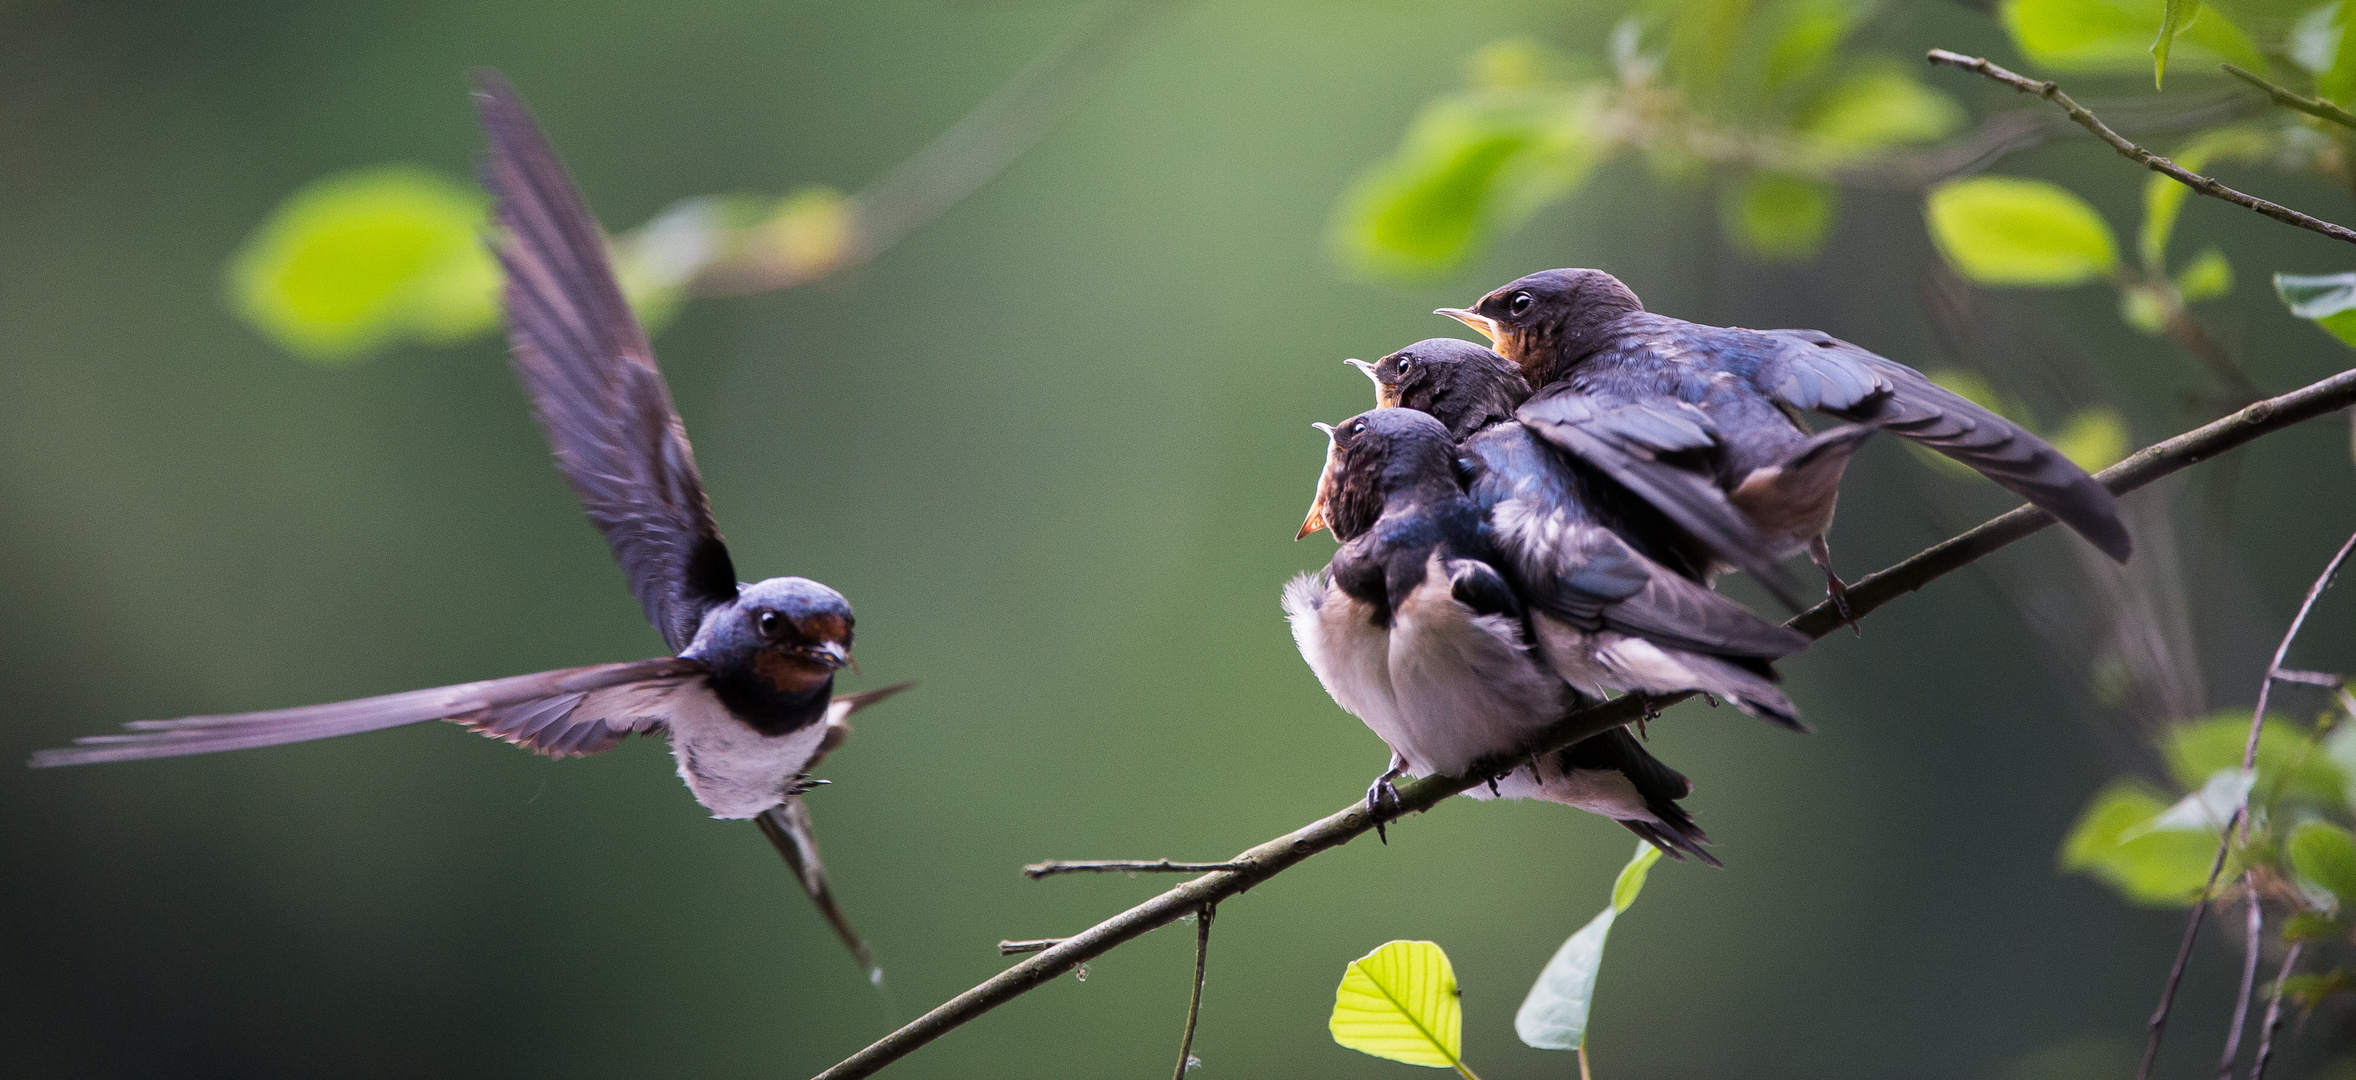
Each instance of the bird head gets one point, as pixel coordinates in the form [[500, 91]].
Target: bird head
[[1548, 320], [1462, 385], [1369, 458], [794, 632]]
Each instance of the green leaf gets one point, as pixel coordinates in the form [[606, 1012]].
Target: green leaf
[[2144, 306], [2314, 40], [1471, 166], [1778, 217], [2208, 277], [2115, 36], [2325, 855], [2206, 811], [2329, 299], [2095, 439], [2310, 926], [1878, 105], [2158, 868], [2337, 81], [2286, 762], [1802, 38], [358, 260], [1401, 1002], [2003, 230], [1554, 1014], [2172, 21]]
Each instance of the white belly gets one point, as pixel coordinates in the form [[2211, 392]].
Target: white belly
[[1463, 681], [1442, 686], [734, 771]]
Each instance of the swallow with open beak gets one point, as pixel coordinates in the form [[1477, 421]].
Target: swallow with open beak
[[1703, 421], [1457, 632], [747, 698]]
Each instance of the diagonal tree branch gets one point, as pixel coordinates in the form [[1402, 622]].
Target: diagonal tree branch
[[2206, 186], [1276, 856]]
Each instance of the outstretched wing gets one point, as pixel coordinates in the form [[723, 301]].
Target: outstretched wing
[[1814, 370], [593, 381], [558, 713], [1651, 446]]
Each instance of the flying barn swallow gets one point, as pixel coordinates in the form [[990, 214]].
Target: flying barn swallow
[[1458, 623], [1703, 421], [747, 698]]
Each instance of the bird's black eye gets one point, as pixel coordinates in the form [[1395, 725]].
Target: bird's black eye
[[1358, 428], [768, 621], [1405, 363], [1521, 303]]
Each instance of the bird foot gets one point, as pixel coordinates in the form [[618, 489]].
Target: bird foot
[[1380, 792], [803, 782], [1838, 592]]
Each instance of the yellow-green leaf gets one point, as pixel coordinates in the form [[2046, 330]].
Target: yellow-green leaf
[[2173, 17], [2115, 36], [1631, 879], [2005, 230], [2157, 868], [1472, 165], [1878, 105], [360, 259], [1778, 217], [2325, 854], [1400, 1002], [2287, 763], [2095, 439], [2207, 277]]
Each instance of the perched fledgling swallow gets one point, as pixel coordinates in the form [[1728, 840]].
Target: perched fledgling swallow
[[747, 700], [1703, 420], [1470, 389], [1421, 626]]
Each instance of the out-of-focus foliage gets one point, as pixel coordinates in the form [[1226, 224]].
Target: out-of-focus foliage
[[1401, 1002], [1553, 1015], [2156, 867], [2328, 299], [1765, 102], [2004, 230], [2117, 36], [362, 258], [365, 260]]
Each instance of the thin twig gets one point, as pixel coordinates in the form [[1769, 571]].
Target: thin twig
[[2206, 186], [1194, 1005], [1052, 867], [1282, 853], [2273, 1023], [2312, 106], [2256, 927], [2015, 130], [2240, 818], [2192, 930], [1017, 948]]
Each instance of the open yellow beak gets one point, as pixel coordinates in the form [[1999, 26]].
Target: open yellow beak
[[1386, 396], [1486, 325], [1316, 518]]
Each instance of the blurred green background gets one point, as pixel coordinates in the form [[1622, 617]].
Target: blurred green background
[[1053, 447]]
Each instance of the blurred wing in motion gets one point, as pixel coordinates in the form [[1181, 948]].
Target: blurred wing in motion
[[563, 713], [592, 379], [1817, 371]]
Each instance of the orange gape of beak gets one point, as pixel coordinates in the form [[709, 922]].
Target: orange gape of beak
[[1316, 518], [1486, 325]]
